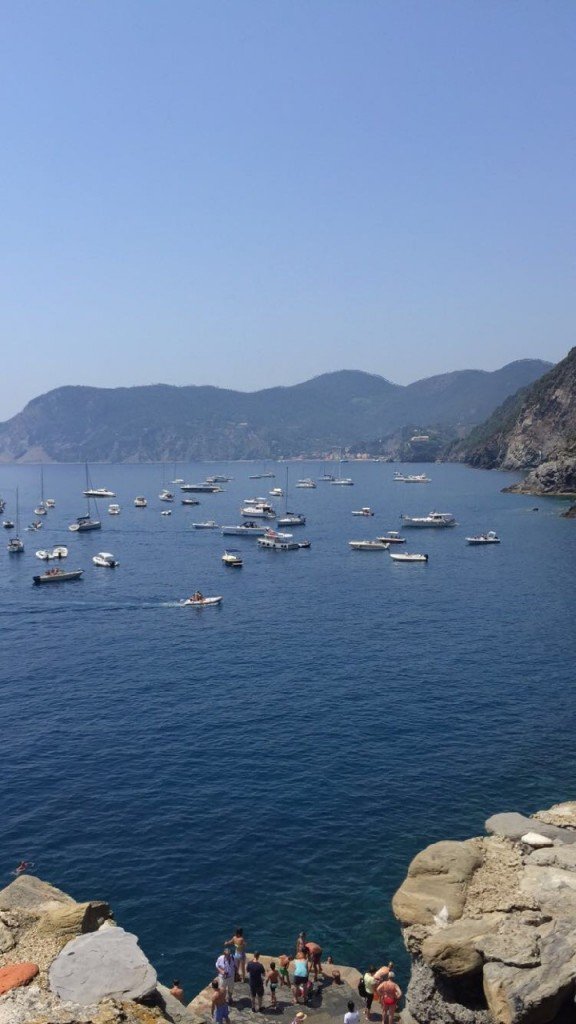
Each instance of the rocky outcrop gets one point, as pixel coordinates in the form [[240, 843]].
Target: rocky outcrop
[[490, 923], [534, 430], [63, 962]]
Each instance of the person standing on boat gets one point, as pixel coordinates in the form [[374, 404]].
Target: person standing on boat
[[239, 943], [226, 973]]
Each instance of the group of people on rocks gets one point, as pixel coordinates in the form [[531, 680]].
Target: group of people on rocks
[[298, 973]]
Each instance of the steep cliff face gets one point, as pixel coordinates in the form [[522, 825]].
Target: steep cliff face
[[534, 430], [490, 924]]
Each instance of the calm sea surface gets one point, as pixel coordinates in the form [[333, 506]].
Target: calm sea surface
[[276, 762]]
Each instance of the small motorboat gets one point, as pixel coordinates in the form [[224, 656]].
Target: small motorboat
[[307, 484], [189, 501], [199, 601], [55, 553], [98, 492], [276, 492], [58, 576], [405, 556], [105, 560], [304, 543], [166, 495], [232, 558], [366, 511], [435, 519], [208, 525], [249, 529], [178, 480], [8, 524], [166, 512], [114, 510], [15, 546], [292, 519], [50, 503], [327, 478], [40, 511], [484, 538], [411, 478], [140, 502], [343, 481], [392, 537], [368, 545], [36, 525]]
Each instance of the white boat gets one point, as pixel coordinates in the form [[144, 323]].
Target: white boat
[[105, 559], [278, 541], [368, 545], [208, 525], [189, 501], [53, 553], [232, 558], [50, 503], [203, 488], [343, 481], [292, 519], [216, 479], [15, 545], [258, 510], [307, 484], [178, 480], [248, 529], [8, 524], [392, 537], [411, 478], [276, 492], [200, 602], [36, 525], [166, 512], [98, 492], [166, 495], [85, 523], [366, 511], [140, 502], [58, 576], [327, 478], [484, 538], [40, 511], [437, 519], [114, 510], [405, 556]]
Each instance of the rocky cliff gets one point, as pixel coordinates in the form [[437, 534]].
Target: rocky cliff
[[533, 430], [63, 962], [490, 924]]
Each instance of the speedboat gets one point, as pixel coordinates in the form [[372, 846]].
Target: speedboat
[[50, 503], [368, 545], [140, 502], [85, 523], [366, 511], [200, 602], [15, 546], [392, 537], [405, 556], [276, 492], [484, 538], [306, 484], [203, 488], [248, 529], [208, 525], [166, 512], [58, 552], [113, 510], [58, 576], [258, 510], [342, 481], [98, 492], [40, 510], [166, 495], [278, 541], [178, 480], [189, 501], [292, 519], [232, 558], [411, 478], [437, 519], [36, 525], [105, 560], [8, 524]]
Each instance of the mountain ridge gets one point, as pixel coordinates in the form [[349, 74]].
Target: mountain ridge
[[338, 409]]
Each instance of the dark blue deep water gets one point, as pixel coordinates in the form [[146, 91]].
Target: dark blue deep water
[[277, 762]]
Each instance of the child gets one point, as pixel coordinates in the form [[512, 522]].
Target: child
[[272, 979], [220, 1010], [352, 1017], [284, 962]]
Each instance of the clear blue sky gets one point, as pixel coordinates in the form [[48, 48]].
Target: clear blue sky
[[252, 192]]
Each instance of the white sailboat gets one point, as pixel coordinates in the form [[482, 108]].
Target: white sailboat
[[86, 522], [15, 545], [290, 518]]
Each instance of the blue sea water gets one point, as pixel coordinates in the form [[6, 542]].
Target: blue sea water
[[276, 762]]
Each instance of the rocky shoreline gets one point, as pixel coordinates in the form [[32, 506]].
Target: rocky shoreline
[[490, 924]]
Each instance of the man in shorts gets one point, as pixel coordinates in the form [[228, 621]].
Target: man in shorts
[[389, 993], [220, 1011], [314, 957], [226, 973], [256, 972]]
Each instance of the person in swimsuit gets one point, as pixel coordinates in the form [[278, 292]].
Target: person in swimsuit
[[300, 942], [389, 993], [284, 962], [220, 1010], [177, 991], [272, 979], [300, 983], [239, 943], [314, 957]]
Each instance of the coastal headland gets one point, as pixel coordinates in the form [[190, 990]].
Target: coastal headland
[[489, 923]]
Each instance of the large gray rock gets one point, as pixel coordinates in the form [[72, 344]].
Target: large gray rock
[[558, 857], [30, 893], [452, 951], [107, 963], [513, 826], [7, 938], [431, 999], [437, 879]]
